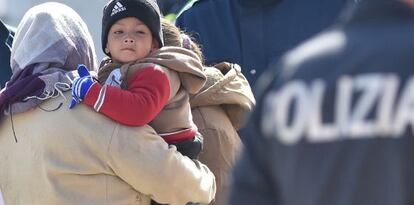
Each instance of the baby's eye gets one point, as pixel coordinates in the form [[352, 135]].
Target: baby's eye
[[140, 32], [118, 32]]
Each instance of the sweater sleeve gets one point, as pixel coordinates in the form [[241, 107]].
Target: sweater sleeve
[[148, 92]]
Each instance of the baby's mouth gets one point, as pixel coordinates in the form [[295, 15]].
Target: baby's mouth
[[128, 49]]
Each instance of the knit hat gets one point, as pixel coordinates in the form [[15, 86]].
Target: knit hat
[[146, 11]]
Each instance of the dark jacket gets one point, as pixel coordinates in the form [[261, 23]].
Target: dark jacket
[[334, 123], [255, 33], [6, 38], [168, 7]]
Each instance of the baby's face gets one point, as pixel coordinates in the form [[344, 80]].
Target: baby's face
[[129, 39]]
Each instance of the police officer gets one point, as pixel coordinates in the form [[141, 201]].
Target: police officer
[[334, 124], [6, 38]]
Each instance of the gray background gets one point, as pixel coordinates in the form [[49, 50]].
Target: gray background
[[12, 11]]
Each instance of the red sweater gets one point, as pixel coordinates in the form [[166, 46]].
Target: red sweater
[[148, 92]]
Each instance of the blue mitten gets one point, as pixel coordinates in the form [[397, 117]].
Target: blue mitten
[[81, 85]]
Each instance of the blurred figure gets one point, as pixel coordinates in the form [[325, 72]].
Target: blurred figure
[[334, 123], [255, 33], [6, 39]]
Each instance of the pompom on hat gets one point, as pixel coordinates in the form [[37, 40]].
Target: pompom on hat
[[146, 11]]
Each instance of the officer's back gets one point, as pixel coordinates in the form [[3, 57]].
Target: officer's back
[[335, 123]]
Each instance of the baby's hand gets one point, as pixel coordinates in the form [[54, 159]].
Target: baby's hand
[[81, 85]]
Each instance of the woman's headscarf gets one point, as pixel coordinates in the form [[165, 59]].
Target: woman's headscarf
[[50, 41]]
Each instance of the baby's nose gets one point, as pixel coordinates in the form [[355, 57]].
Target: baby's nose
[[128, 40]]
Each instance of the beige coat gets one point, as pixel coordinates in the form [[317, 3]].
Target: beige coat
[[218, 111], [81, 157]]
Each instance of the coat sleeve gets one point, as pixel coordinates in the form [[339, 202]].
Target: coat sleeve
[[148, 92], [153, 168]]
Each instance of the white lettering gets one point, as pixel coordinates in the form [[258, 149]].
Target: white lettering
[[362, 106], [281, 105], [405, 110], [385, 106], [343, 101], [368, 87], [318, 130]]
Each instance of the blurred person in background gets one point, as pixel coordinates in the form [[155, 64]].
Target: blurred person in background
[[334, 120], [255, 33], [6, 39]]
